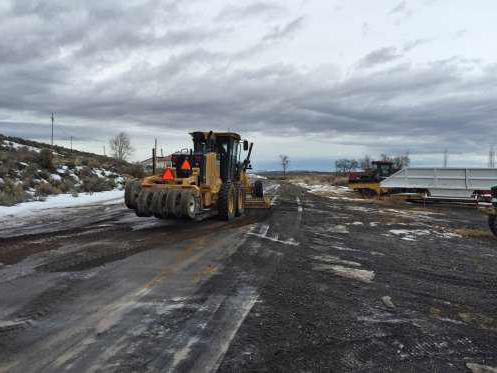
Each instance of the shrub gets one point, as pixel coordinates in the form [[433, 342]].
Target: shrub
[[67, 185], [93, 163], [46, 189], [95, 184], [134, 170], [11, 193], [45, 159], [86, 172]]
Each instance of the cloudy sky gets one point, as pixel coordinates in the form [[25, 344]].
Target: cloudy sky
[[314, 79]]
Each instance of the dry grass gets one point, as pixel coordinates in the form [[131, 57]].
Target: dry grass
[[474, 233]]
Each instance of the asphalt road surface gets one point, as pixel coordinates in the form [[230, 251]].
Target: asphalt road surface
[[314, 284]]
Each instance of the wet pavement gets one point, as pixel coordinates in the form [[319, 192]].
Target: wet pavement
[[315, 284]]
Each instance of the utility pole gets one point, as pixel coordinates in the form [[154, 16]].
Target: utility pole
[[491, 157], [71, 144], [104, 152], [446, 158], [52, 117]]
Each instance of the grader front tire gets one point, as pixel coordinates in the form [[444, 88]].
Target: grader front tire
[[227, 202], [240, 200]]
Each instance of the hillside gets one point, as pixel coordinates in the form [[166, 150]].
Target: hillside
[[28, 172]]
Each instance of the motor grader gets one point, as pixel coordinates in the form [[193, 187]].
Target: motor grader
[[210, 179]]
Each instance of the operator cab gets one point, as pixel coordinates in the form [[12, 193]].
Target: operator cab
[[227, 147], [383, 169]]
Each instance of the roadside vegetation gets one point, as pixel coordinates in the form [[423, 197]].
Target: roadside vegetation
[[29, 171]]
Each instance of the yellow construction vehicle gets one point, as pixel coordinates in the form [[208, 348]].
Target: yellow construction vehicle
[[210, 179], [368, 182]]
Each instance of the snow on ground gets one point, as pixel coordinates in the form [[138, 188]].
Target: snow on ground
[[413, 234], [59, 201], [329, 190], [18, 146], [255, 176]]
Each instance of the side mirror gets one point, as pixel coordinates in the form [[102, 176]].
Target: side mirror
[[245, 145]]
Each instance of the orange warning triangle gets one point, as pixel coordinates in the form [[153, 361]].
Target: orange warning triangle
[[186, 165], [168, 174]]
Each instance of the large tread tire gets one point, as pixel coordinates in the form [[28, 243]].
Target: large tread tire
[[131, 193], [492, 223], [240, 200], [258, 189], [227, 202], [172, 197], [163, 204], [189, 204], [143, 203], [156, 206]]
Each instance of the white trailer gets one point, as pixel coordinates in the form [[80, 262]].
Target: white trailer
[[451, 183]]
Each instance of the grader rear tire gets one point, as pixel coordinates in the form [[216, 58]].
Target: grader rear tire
[[173, 203], [131, 193], [227, 202], [143, 203], [157, 204], [492, 223], [189, 204]]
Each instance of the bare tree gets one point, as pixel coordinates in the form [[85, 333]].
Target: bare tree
[[120, 146], [345, 166], [366, 162], [399, 161], [284, 161]]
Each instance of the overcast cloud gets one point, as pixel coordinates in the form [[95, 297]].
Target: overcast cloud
[[313, 79]]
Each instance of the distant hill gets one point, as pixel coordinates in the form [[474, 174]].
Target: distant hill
[[29, 171]]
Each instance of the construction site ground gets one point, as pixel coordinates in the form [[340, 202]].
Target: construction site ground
[[324, 281]]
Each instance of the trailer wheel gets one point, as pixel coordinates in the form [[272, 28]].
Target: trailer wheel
[[492, 223], [143, 203], [240, 200], [258, 189], [131, 193], [227, 202], [189, 204]]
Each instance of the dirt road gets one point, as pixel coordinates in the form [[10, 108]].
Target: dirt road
[[316, 284]]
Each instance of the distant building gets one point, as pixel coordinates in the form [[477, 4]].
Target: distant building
[[162, 163]]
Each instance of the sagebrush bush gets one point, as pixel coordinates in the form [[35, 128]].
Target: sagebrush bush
[[46, 189], [134, 170], [45, 159], [11, 193], [95, 184], [86, 172], [67, 185], [93, 163]]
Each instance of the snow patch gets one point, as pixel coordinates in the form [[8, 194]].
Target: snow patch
[[59, 201], [346, 272], [335, 260], [55, 178], [412, 235]]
